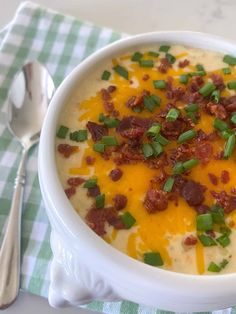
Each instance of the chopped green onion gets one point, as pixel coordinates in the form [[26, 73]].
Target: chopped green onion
[[106, 75], [178, 168], [137, 109], [111, 122], [216, 96], [99, 147], [154, 129], [136, 56], [153, 54], [147, 150], [90, 183], [223, 240], [207, 89], [183, 78], [197, 73], [156, 99], [171, 59], [79, 136], [169, 184], [224, 263], [226, 70], [128, 220], [200, 67], [153, 258], [206, 240], [204, 222], [158, 149], [164, 48], [159, 84], [213, 267], [161, 139], [225, 230], [109, 140], [151, 102], [62, 131], [172, 114], [231, 85], [146, 63], [220, 125], [100, 201], [101, 117], [226, 134], [121, 71], [233, 117], [189, 164], [229, 146], [186, 136], [192, 116], [217, 213], [191, 107], [229, 60]]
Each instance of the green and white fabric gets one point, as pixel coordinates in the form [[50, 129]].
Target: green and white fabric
[[60, 43]]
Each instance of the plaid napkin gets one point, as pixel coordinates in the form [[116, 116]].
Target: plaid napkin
[[60, 43]]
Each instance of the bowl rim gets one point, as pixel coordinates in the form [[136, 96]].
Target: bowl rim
[[61, 211]]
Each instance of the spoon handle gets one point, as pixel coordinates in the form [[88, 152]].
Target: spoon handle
[[10, 250]]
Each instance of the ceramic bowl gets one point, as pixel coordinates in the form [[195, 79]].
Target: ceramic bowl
[[84, 266]]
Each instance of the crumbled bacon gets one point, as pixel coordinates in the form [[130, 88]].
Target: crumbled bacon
[[175, 93], [75, 181], [96, 220], [164, 65], [111, 88], [155, 200], [120, 201], [146, 77], [184, 63], [70, 191], [179, 183], [193, 193], [190, 240], [172, 129], [213, 178], [211, 233], [94, 191], [96, 130], [204, 152], [217, 81], [67, 150], [128, 155], [133, 127], [224, 177], [90, 160], [115, 174], [202, 209], [228, 202], [216, 109], [181, 153], [105, 94]]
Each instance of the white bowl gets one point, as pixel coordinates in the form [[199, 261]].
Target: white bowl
[[85, 267]]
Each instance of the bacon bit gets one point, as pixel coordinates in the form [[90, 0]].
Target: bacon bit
[[75, 181], [133, 127], [224, 177], [193, 193], [111, 88], [213, 136], [231, 107], [181, 153], [164, 65], [70, 191], [202, 209], [115, 174], [67, 150], [211, 233], [111, 216], [233, 190], [157, 163], [146, 77], [174, 197], [127, 155], [194, 97], [160, 179], [120, 201], [175, 93], [96, 130], [105, 94], [228, 202], [172, 129], [218, 81], [90, 160], [96, 220], [183, 63], [217, 110], [219, 155], [213, 178], [204, 152], [109, 106], [93, 192], [190, 240], [155, 200], [201, 136], [179, 184]]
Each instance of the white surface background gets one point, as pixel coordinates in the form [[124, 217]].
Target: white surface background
[[131, 16]]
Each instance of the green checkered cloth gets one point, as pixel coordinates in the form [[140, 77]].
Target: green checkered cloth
[[60, 43]]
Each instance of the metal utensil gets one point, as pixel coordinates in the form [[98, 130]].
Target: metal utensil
[[29, 97]]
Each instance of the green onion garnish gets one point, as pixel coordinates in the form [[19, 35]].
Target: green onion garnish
[[233, 117], [101, 117], [111, 122], [186, 136], [109, 140], [99, 147], [223, 240], [146, 63], [153, 258], [151, 102], [79, 136], [224, 263], [128, 220], [200, 67], [136, 56], [161, 139], [213, 267], [197, 73], [159, 84], [229, 60], [62, 131], [154, 129], [207, 89], [153, 54], [183, 78], [192, 116], [157, 148], [171, 59], [106, 75], [191, 107], [204, 222], [226, 71], [164, 48], [100, 201], [90, 183], [225, 230], [231, 85], [220, 125], [121, 71], [229, 146], [206, 240], [169, 184], [178, 168], [189, 164], [226, 134], [217, 213], [215, 96], [137, 109], [147, 150], [172, 114]]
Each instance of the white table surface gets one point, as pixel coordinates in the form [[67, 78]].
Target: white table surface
[[130, 16]]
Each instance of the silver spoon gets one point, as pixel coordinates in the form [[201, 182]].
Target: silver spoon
[[29, 97]]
